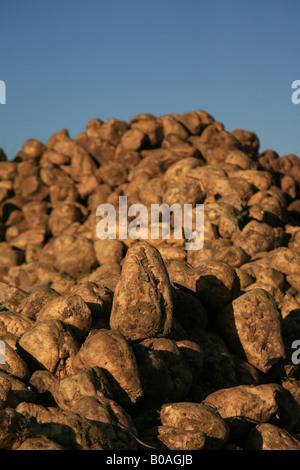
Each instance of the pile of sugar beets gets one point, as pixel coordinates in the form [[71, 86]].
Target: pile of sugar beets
[[136, 344]]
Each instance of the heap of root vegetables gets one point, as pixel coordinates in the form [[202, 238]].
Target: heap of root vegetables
[[142, 344]]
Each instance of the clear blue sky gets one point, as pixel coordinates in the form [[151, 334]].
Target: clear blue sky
[[65, 62]]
